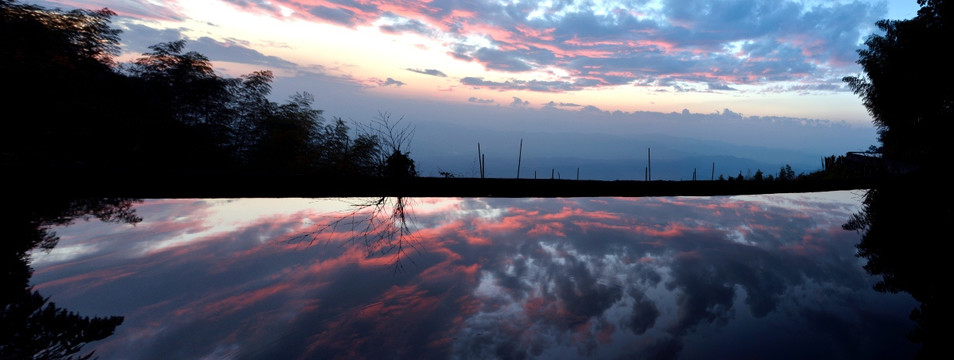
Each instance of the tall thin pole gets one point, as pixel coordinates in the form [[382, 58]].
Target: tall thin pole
[[713, 170], [483, 164], [480, 161], [519, 158], [649, 169]]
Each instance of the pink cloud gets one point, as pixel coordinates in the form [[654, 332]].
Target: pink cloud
[[553, 228]]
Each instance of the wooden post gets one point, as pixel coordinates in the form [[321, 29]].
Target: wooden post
[[480, 161], [649, 169], [519, 158]]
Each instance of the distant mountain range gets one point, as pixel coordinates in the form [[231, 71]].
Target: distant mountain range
[[452, 148]]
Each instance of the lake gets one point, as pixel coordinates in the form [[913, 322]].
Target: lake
[[759, 276]]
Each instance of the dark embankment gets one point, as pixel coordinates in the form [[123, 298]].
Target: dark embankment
[[147, 186]]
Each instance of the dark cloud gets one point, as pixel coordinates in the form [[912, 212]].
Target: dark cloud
[[502, 60], [138, 38], [720, 86], [479, 100], [256, 5], [461, 52], [404, 25], [553, 104], [644, 314], [337, 15], [432, 72], [235, 52], [389, 82], [532, 85], [517, 102]]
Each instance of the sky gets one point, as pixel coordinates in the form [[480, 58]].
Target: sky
[[577, 66], [768, 276]]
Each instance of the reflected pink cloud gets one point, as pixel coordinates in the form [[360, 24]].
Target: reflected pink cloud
[[75, 285], [551, 229], [387, 323], [243, 300]]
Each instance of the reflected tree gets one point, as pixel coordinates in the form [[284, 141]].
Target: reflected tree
[[379, 225], [900, 243], [33, 327]]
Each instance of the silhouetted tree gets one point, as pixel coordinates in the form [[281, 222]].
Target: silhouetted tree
[[252, 108], [399, 165], [187, 84], [335, 147], [365, 151], [393, 138], [785, 173], [168, 111], [289, 139], [57, 68], [908, 86]]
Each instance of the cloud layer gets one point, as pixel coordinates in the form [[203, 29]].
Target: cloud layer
[[690, 44]]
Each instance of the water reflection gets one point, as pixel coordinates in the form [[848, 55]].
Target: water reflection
[[900, 245], [750, 277], [380, 225], [33, 327]]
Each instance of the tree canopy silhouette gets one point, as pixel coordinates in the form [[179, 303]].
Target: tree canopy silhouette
[[908, 86], [75, 108]]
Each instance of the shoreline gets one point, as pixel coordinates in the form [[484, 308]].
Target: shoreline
[[229, 185]]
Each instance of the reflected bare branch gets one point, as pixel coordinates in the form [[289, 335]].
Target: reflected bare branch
[[378, 224]]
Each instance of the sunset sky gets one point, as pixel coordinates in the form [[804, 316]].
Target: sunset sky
[[555, 62]]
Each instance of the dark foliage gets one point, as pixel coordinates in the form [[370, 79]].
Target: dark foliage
[[908, 87], [75, 109]]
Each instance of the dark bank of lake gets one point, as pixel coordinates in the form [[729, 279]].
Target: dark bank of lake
[[216, 185]]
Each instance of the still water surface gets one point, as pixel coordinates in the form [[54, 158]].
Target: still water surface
[[769, 276]]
